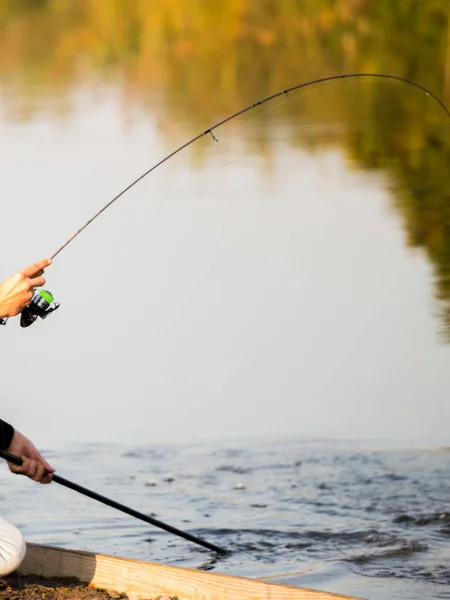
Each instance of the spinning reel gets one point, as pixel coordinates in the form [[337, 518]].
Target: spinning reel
[[41, 305]]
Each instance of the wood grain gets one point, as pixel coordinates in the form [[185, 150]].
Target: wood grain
[[139, 579]]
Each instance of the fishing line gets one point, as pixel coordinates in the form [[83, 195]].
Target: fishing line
[[269, 110], [43, 303], [286, 98], [305, 93]]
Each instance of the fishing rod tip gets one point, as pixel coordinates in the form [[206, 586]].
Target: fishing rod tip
[[222, 551]]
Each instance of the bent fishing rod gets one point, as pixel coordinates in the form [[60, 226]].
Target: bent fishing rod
[[43, 302], [16, 460]]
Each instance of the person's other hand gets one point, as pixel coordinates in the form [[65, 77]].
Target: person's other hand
[[34, 465], [17, 291]]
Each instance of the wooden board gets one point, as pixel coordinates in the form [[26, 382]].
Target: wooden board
[[139, 579]]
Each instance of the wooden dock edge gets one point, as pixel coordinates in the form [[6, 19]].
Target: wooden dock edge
[[141, 579]]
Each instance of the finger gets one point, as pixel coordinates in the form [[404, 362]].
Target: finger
[[23, 469], [36, 282], [36, 455], [47, 478], [37, 274], [15, 469], [36, 267], [32, 469], [40, 471]]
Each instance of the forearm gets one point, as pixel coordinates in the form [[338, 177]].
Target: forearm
[[6, 435]]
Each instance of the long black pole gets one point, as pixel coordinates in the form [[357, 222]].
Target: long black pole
[[129, 511]]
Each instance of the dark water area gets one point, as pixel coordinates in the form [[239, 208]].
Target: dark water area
[[368, 519]]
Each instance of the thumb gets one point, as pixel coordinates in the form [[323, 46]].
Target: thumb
[[48, 467]]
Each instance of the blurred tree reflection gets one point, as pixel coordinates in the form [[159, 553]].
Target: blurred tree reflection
[[205, 59]]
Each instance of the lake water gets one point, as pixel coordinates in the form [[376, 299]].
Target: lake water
[[284, 284], [366, 519]]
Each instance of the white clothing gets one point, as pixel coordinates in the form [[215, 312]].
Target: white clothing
[[12, 547]]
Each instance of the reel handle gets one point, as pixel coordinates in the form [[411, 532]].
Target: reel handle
[[41, 305]]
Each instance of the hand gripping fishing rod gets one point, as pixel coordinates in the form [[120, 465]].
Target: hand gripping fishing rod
[[15, 460], [43, 302]]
